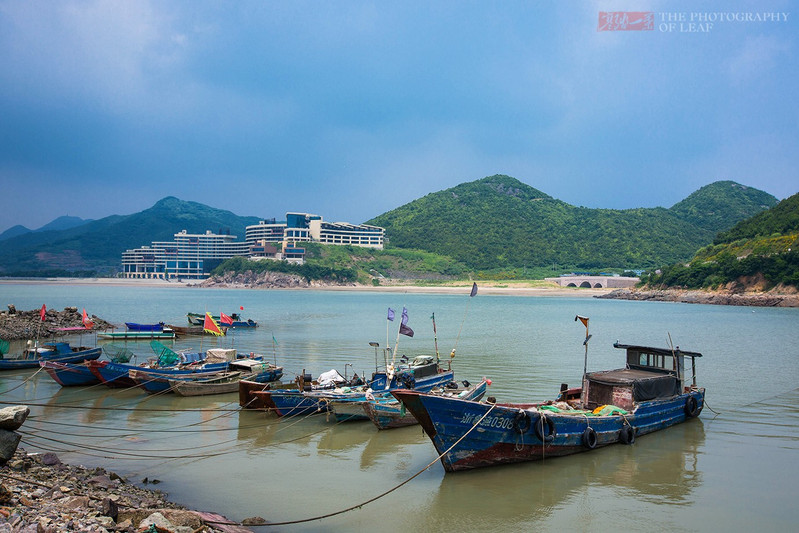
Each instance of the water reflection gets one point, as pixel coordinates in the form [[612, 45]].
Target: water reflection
[[660, 468]]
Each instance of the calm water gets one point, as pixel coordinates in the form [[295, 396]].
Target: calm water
[[733, 471]]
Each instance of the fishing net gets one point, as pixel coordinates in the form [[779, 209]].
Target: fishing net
[[4, 346], [117, 354]]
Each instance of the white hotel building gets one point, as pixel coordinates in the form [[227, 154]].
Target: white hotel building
[[194, 256]]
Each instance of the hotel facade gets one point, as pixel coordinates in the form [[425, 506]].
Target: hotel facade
[[194, 256]]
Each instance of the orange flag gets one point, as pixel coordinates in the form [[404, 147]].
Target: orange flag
[[88, 324]]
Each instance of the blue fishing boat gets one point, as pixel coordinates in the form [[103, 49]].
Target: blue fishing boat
[[133, 326], [386, 412], [422, 374], [55, 351], [615, 406], [70, 374]]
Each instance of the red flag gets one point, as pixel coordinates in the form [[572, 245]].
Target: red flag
[[241, 307], [88, 324], [211, 326], [43, 311], [226, 320]]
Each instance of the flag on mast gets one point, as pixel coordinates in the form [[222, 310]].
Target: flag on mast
[[210, 325], [390, 314], [42, 312], [88, 324], [226, 320], [404, 329], [474, 290]]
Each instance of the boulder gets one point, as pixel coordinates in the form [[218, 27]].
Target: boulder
[[8, 444], [11, 418]]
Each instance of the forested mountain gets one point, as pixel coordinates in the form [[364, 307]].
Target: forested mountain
[[499, 221], [60, 223], [98, 245], [761, 251], [722, 204]]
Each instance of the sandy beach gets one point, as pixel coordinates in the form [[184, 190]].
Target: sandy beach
[[509, 288]]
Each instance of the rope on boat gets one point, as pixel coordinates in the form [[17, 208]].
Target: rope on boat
[[24, 381], [389, 491]]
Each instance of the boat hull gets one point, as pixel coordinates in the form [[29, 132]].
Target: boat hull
[[348, 406], [70, 374], [75, 356], [388, 413], [472, 435]]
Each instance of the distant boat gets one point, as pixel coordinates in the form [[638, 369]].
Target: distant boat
[[133, 326], [190, 330], [197, 319], [165, 333], [55, 351], [615, 406]]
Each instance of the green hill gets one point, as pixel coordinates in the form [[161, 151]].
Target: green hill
[[722, 204], [98, 245], [762, 250], [500, 222]]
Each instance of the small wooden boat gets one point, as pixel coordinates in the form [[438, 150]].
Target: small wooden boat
[[255, 371], [649, 394], [386, 412], [55, 351], [190, 330], [70, 374], [198, 319]]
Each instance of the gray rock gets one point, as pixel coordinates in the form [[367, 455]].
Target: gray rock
[[8, 444], [11, 418]]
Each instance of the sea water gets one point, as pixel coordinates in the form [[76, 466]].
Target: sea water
[[734, 468]]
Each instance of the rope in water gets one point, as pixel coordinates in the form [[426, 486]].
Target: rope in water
[[389, 491]]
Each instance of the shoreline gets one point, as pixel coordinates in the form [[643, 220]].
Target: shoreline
[[489, 287]]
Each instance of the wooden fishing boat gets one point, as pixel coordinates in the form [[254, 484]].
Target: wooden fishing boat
[[616, 406], [386, 412], [55, 351], [192, 330], [258, 372], [197, 319], [289, 399], [70, 374], [422, 374]]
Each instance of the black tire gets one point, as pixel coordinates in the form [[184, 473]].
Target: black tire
[[545, 429], [691, 407], [627, 434], [521, 422], [589, 438]]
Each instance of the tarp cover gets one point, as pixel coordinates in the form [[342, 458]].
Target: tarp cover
[[219, 355], [331, 376], [646, 385]]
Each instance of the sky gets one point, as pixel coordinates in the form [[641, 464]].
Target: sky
[[349, 109]]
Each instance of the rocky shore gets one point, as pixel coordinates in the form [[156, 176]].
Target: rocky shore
[[755, 299], [264, 280], [40, 494], [20, 325]]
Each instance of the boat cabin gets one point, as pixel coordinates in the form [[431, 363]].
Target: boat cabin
[[650, 373]]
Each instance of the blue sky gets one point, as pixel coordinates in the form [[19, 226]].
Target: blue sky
[[349, 109]]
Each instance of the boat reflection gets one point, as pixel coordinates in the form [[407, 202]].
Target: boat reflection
[[661, 468]]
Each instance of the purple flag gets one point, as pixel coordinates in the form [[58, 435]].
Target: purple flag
[[474, 290], [391, 314], [404, 329]]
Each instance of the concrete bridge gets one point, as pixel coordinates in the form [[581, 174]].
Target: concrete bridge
[[595, 282]]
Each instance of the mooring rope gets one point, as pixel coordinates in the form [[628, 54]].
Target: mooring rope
[[389, 491]]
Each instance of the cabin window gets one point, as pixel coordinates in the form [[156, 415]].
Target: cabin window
[[643, 359]]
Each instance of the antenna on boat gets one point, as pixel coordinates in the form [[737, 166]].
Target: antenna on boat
[[471, 294], [435, 337], [675, 359], [584, 320]]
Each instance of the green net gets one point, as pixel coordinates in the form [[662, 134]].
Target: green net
[[165, 356], [4, 346], [117, 354]]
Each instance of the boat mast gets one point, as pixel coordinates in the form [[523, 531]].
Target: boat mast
[[584, 320]]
